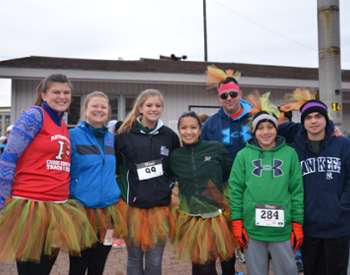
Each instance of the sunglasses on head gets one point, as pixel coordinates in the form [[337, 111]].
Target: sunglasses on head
[[225, 95]]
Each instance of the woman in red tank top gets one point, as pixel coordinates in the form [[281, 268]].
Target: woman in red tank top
[[38, 219]]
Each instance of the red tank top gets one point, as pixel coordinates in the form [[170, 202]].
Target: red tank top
[[42, 172]]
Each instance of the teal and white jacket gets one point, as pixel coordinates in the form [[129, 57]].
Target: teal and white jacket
[[93, 167]]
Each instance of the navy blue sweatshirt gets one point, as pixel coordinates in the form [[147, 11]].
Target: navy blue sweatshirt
[[232, 133], [326, 182]]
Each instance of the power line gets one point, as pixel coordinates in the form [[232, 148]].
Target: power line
[[264, 28]]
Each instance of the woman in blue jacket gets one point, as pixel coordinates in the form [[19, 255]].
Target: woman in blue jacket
[[93, 182]]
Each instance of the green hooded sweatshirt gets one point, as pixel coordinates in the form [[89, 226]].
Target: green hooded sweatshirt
[[265, 185]]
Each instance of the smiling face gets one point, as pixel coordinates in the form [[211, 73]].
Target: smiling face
[[58, 96], [96, 112], [315, 125], [151, 110], [266, 134], [231, 104], [189, 130]]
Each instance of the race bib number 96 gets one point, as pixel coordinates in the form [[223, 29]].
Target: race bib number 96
[[269, 215]]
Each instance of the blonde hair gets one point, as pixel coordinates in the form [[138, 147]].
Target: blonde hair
[[88, 99], [130, 120]]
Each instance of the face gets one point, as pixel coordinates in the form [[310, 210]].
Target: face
[[58, 96], [315, 125], [189, 130], [151, 111], [266, 135], [96, 112], [231, 104]]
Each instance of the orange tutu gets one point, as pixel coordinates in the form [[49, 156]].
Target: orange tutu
[[203, 239], [110, 217], [148, 227], [30, 228]]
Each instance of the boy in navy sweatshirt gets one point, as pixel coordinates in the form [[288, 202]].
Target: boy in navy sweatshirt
[[325, 164]]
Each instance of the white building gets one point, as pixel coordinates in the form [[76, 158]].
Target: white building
[[5, 119], [183, 83]]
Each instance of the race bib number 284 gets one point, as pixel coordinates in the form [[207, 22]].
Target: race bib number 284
[[269, 215]]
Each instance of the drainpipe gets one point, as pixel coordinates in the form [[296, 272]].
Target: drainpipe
[[329, 71]]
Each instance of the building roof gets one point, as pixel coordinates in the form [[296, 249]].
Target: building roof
[[162, 66]]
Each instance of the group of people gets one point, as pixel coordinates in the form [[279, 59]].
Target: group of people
[[240, 181]]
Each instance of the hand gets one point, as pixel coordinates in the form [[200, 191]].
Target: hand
[[337, 132], [239, 233], [296, 236], [175, 201]]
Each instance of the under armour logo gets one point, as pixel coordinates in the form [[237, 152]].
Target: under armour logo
[[229, 135], [259, 168]]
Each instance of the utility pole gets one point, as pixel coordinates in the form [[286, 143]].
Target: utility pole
[[329, 72], [205, 31]]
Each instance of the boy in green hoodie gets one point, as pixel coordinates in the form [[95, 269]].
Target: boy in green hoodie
[[266, 199]]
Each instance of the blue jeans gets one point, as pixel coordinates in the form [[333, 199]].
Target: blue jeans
[[145, 262]]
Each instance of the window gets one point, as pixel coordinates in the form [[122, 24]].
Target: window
[[74, 111], [129, 103], [113, 101]]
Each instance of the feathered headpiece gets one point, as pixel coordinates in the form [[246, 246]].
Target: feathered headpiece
[[216, 75], [298, 97], [262, 103]]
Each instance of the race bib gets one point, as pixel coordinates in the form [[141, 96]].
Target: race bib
[[150, 169], [269, 215]]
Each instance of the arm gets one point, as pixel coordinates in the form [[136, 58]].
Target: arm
[[25, 129], [237, 186], [204, 131], [226, 162], [176, 144], [296, 188], [345, 196], [118, 154], [288, 130]]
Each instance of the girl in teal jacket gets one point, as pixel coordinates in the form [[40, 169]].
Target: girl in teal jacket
[[266, 199], [94, 185]]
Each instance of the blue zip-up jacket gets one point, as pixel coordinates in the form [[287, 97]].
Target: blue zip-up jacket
[[233, 133], [326, 182], [93, 180]]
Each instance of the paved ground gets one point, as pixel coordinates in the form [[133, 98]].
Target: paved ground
[[116, 265]]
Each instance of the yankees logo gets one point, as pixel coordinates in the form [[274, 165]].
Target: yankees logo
[[259, 168]]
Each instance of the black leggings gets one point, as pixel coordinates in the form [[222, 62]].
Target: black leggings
[[33, 268], [325, 256], [92, 259], [209, 268]]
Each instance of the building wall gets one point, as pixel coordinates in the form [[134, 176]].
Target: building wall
[[5, 121], [177, 97]]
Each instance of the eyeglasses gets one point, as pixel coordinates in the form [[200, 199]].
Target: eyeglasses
[[225, 95]]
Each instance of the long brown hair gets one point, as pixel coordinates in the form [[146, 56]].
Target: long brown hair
[[45, 84], [130, 120]]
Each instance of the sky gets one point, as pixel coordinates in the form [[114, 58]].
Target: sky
[[274, 32]]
